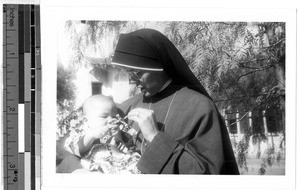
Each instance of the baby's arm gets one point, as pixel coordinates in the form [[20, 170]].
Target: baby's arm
[[86, 142], [71, 144], [79, 143]]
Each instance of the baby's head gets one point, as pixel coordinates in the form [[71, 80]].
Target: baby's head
[[98, 110]]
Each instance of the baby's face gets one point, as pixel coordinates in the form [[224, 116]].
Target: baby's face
[[99, 114]]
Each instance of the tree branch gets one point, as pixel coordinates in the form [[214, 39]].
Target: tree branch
[[241, 63], [261, 69], [250, 61], [238, 97], [224, 100], [239, 119], [256, 68], [228, 23], [273, 44], [280, 82]]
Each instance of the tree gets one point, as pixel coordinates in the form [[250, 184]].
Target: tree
[[65, 87], [230, 59], [86, 38], [242, 65], [65, 105]]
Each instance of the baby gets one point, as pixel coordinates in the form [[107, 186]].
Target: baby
[[105, 144]]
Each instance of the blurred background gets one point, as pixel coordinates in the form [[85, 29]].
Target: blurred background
[[241, 65]]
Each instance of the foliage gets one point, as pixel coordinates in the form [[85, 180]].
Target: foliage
[[70, 121], [233, 59], [242, 150], [65, 87], [241, 65], [263, 169], [65, 104], [67, 121], [87, 36], [269, 157]]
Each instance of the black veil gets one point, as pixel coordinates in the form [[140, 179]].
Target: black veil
[[148, 49]]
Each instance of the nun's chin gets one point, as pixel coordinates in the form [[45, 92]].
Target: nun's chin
[[146, 93]]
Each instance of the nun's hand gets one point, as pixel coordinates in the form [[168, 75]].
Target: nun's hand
[[146, 121]]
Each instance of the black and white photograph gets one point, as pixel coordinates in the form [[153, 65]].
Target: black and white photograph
[[211, 97], [167, 98]]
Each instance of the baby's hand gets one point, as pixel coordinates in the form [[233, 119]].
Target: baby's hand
[[113, 127], [109, 128], [97, 132]]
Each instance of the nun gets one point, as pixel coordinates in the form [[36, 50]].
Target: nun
[[180, 129]]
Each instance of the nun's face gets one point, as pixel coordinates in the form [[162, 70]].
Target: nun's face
[[150, 82]]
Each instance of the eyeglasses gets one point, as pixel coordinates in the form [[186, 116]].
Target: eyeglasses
[[134, 75], [134, 78]]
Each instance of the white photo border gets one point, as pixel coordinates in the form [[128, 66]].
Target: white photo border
[[52, 15]]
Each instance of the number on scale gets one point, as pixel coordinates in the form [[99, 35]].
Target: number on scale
[[12, 108], [12, 166], [15, 176], [15, 179]]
